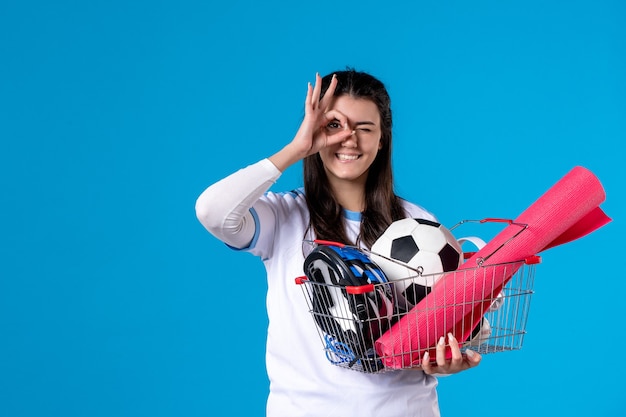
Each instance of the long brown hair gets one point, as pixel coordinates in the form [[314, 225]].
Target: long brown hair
[[382, 205]]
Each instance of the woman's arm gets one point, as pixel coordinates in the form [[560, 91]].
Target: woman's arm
[[224, 207]]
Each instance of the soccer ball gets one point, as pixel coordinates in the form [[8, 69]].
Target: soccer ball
[[480, 334], [413, 254]]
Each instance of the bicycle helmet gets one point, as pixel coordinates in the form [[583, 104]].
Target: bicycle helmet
[[352, 321]]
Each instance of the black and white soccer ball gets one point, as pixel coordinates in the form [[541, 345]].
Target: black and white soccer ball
[[480, 334], [351, 321], [414, 253]]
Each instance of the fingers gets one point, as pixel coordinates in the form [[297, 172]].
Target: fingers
[[330, 92], [457, 357], [441, 353], [336, 126], [309, 98], [321, 128], [427, 367], [331, 115], [451, 361], [314, 93], [338, 137], [459, 361], [473, 358], [315, 98]]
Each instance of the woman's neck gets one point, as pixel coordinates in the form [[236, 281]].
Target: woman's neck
[[349, 194]]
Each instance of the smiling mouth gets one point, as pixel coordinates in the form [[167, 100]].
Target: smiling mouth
[[344, 157]]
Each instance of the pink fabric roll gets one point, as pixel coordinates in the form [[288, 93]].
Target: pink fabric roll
[[567, 211]]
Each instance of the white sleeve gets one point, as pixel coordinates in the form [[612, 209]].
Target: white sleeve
[[224, 207]]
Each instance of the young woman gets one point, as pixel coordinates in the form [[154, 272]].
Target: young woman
[[348, 196]]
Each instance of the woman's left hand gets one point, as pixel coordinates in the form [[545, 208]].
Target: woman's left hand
[[459, 361]]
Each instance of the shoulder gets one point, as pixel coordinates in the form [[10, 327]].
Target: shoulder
[[286, 202], [296, 195], [417, 211]]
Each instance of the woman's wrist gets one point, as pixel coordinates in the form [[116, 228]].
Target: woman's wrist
[[286, 157]]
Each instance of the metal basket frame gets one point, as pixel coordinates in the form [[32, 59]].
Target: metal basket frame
[[502, 327]]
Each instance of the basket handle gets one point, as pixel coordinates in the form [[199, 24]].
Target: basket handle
[[359, 289], [523, 226], [496, 220], [475, 240], [329, 243]]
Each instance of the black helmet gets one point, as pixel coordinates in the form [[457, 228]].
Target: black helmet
[[351, 319]]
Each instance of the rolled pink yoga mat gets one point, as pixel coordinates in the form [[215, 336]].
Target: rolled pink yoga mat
[[567, 211]]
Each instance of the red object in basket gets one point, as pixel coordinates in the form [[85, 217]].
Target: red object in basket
[[567, 211]]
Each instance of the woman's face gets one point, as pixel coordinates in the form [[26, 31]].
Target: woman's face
[[350, 160]]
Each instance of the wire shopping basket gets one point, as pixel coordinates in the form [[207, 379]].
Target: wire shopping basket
[[363, 327]]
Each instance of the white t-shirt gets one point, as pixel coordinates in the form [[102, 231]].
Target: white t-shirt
[[303, 383]]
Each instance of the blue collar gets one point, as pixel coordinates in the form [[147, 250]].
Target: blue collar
[[352, 215]]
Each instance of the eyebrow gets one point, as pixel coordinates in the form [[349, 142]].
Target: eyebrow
[[366, 122]]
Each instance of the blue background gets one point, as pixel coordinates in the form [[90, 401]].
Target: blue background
[[114, 301]]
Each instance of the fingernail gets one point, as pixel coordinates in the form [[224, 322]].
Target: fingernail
[[426, 356], [470, 353], [450, 337], [442, 341]]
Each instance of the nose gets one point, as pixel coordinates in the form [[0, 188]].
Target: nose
[[350, 141]]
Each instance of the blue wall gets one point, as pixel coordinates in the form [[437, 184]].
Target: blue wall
[[115, 115]]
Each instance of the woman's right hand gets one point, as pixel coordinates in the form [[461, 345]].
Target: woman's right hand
[[317, 130]]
